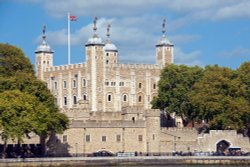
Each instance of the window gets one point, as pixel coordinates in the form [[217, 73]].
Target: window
[[112, 83], [74, 100], [154, 86], [84, 97], [74, 83], [84, 83], [121, 84], [109, 97], [140, 138], [87, 138], [107, 54], [65, 101], [118, 138], [107, 62], [55, 85], [153, 137], [104, 138], [125, 98], [64, 84], [107, 83], [47, 62], [139, 85], [139, 99], [64, 138]]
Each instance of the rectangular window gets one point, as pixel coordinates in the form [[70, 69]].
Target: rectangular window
[[140, 138], [104, 138], [64, 84], [55, 85], [112, 83], [65, 101], [64, 138], [121, 84], [74, 83], [118, 138], [107, 83], [74, 99], [87, 138], [84, 83]]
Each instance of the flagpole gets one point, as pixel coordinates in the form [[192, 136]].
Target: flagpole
[[68, 38]]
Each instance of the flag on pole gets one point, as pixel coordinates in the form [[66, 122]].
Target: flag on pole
[[72, 18]]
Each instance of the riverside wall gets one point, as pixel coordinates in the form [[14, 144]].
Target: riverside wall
[[147, 160]]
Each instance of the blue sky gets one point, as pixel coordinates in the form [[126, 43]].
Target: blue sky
[[203, 32]]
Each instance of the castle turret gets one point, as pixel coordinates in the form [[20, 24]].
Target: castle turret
[[111, 52], [164, 48], [44, 57], [95, 64]]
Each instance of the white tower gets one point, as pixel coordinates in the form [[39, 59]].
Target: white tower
[[44, 57], [164, 49], [111, 52]]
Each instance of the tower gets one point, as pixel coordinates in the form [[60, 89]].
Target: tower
[[44, 56], [111, 52], [164, 48], [95, 65]]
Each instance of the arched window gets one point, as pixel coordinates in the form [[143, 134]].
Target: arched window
[[154, 86], [107, 62], [125, 97], [109, 97], [84, 97], [74, 100], [64, 84], [139, 99], [139, 85]]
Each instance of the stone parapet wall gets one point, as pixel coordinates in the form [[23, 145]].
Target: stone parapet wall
[[137, 66], [65, 67]]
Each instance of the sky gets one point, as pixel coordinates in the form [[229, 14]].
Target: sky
[[204, 32]]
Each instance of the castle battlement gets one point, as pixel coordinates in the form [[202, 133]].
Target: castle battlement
[[65, 67], [222, 132], [137, 66], [107, 124]]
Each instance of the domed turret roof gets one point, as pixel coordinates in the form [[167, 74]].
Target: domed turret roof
[[109, 46], [94, 40], [44, 47], [164, 41]]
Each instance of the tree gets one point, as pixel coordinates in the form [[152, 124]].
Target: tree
[[17, 110], [17, 74], [175, 83], [12, 61], [218, 99]]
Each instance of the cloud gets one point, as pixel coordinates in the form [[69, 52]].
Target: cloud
[[191, 59], [237, 52]]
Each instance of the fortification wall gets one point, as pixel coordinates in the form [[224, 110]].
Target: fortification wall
[[208, 141], [65, 67]]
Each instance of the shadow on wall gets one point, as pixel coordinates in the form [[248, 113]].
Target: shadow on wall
[[55, 148]]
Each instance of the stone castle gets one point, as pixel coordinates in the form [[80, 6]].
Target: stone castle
[[108, 103]]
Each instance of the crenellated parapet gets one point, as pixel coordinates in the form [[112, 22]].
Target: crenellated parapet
[[137, 66], [66, 67]]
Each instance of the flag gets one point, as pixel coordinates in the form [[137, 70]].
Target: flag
[[72, 18]]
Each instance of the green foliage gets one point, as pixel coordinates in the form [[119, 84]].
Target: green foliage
[[12, 61], [26, 105], [176, 81], [218, 95]]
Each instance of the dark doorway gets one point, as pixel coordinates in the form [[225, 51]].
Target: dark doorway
[[222, 146]]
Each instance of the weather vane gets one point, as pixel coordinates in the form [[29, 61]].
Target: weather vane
[[95, 20], [108, 29], [44, 29], [164, 26]]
